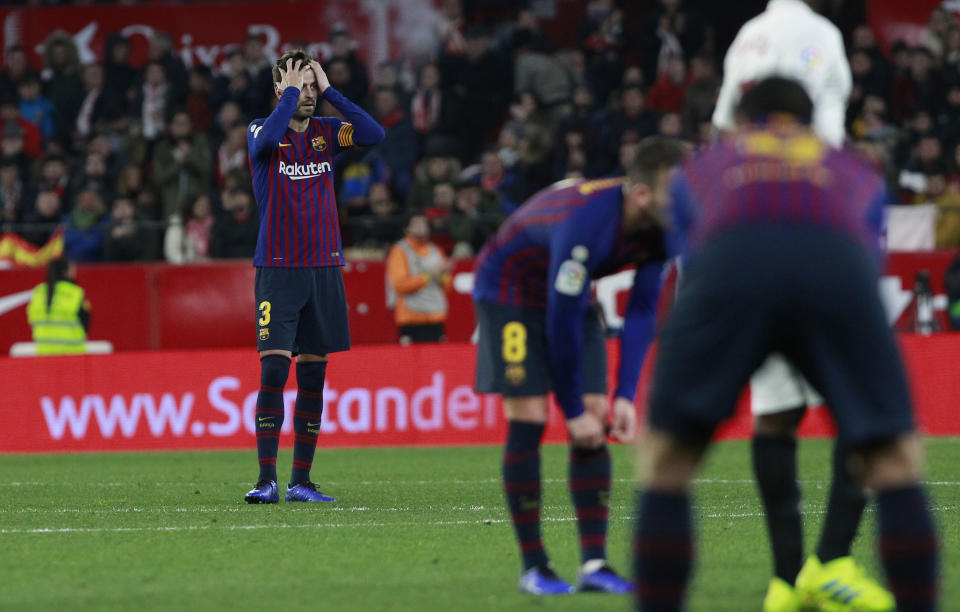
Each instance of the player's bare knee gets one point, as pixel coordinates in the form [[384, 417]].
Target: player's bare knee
[[531, 409], [666, 463], [779, 424], [890, 464], [309, 358], [286, 354]]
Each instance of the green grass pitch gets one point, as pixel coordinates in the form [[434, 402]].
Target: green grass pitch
[[414, 529]]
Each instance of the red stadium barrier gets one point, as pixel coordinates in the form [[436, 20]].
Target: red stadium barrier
[[159, 306], [375, 396]]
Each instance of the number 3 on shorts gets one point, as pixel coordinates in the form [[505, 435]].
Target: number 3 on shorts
[[514, 342], [264, 309]]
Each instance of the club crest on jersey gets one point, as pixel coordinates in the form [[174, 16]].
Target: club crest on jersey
[[515, 374], [319, 144], [264, 333]]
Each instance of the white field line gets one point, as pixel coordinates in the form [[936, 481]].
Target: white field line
[[134, 483], [487, 521]]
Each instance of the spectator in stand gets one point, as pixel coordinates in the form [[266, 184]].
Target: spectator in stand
[[919, 88], [234, 233], [497, 180], [540, 74], [633, 118], [399, 148], [259, 69], [181, 165], [232, 154], [188, 236], [119, 73], [669, 90], [674, 30], [341, 48], [433, 112], [91, 175], [160, 51], [54, 174], [11, 146], [234, 85], [583, 111], [126, 238], [156, 98], [480, 78], [44, 217], [197, 105], [14, 200], [15, 69], [604, 43], [475, 218], [61, 77], [10, 119], [418, 275], [85, 227], [382, 227], [438, 166], [671, 125], [36, 108], [701, 97], [90, 110], [574, 153]]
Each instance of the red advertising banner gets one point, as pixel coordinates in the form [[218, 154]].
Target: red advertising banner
[[894, 20], [202, 33], [156, 306], [374, 396]]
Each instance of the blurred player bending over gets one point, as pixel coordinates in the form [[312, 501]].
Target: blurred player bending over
[[781, 228], [301, 304], [789, 39], [539, 331]]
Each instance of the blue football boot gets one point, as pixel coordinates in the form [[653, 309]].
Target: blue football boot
[[266, 492], [542, 580], [306, 492], [597, 576]]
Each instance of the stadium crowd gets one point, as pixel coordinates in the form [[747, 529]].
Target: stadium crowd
[[147, 163]]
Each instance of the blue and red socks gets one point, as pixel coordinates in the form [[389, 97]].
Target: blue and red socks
[[306, 417], [521, 482], [908, 548], [589, 477], [663, 551], [274, 370]]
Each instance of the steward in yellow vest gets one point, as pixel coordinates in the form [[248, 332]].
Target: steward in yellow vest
[[59, 317]]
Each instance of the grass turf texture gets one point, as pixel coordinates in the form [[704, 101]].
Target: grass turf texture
[[413, 529]]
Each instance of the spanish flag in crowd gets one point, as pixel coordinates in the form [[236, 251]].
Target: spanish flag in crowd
[[19, 252]]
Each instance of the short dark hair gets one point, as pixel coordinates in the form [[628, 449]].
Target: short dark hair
[[654, 155], [297, 55], [776, 95]]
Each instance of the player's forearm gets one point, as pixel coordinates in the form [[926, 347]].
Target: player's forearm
[[366, 130], [639, 328], [267, 136]]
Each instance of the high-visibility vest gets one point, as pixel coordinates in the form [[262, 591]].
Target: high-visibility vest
[[56, 327]]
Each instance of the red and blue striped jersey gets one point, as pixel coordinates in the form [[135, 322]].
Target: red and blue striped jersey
[[544, 257], [293, 181], [776, 176]]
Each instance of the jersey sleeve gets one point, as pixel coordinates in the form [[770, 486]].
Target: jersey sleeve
[[264, 135], [577, 248], [682, 215], [639, 327], [359, 128], [830, 113]]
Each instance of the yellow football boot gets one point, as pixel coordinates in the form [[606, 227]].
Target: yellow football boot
[[841, 586], [781, 597]]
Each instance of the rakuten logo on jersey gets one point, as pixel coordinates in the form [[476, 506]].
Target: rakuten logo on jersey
[[298, 172]]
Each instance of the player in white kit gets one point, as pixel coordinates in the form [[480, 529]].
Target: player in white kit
[[790, 39]]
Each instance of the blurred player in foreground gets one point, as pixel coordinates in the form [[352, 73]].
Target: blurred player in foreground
[[539, 331], [781, 233], [301, 304], [790, 40]]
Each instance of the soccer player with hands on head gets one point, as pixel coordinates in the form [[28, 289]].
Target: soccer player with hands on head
[[300, 299]]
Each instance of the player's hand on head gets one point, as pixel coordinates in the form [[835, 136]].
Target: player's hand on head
[[292, 75], [586, 430], [624, 425], [322, 81]]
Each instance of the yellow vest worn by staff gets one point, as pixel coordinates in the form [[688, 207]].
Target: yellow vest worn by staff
[[57, 329]]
